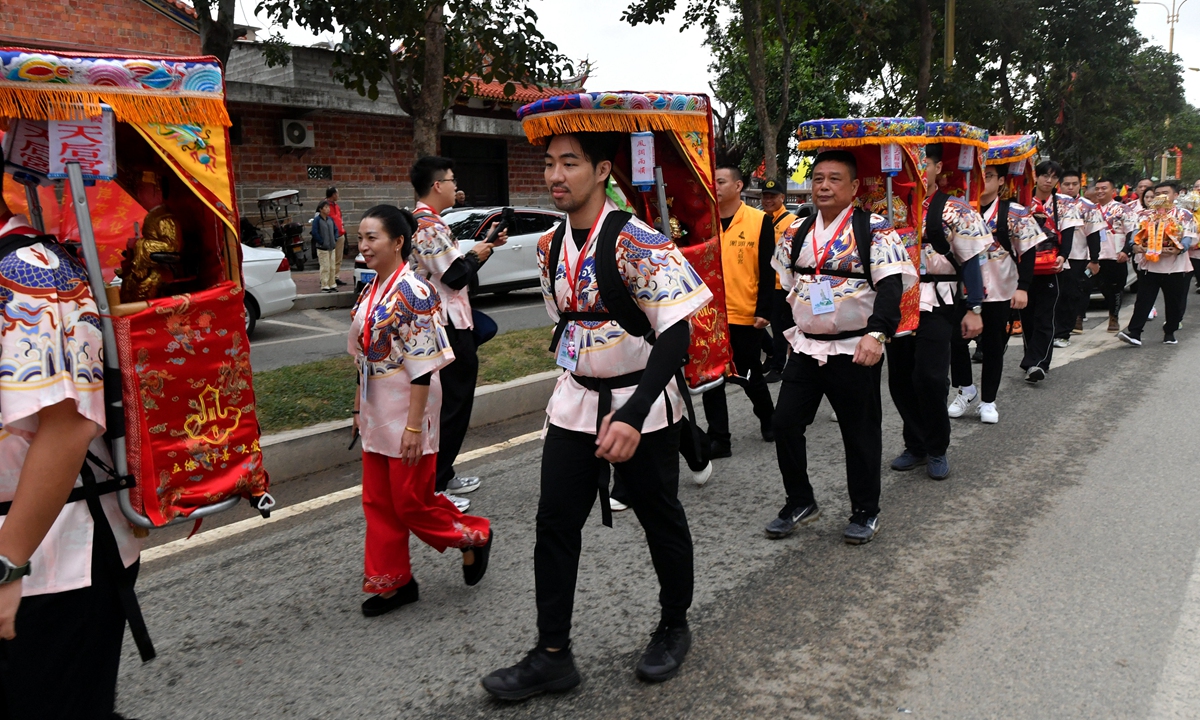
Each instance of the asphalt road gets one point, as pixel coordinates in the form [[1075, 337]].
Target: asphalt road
[[1055, 574], [301, 336]]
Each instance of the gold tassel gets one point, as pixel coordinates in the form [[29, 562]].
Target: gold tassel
[[822, 143], [540, 127], [44, 101]]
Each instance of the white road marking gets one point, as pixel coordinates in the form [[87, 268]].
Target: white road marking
[[284, 323], [331, 333], [1178, 693], [237, 528]]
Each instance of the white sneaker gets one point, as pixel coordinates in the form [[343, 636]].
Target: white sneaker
[[701, 476], [960, 403], [987, 413], [833, 416], [616, 505], [462, 485], [461, 503], [1062, 342], [1153, 313]]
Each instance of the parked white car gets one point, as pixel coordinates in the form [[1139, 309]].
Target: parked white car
[[513, 265], [269, 286]]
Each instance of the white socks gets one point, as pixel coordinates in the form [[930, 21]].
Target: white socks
[[969, 392]]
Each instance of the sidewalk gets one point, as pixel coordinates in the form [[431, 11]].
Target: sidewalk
[[308, 287]]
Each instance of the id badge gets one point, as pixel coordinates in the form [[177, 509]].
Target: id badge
[[568, 352], [821, 295], [364, 373]]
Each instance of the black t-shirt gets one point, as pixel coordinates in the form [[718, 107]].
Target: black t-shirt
[[580, 236], [726, 222]]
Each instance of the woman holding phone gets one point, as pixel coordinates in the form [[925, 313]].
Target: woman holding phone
[[399, 342]]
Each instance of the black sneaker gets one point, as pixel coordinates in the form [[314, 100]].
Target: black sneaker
[[908, 460], [474, 572], [1035, 375], [665, 653], [538, 672], [772, 377], [977, 356], [377, 605], [1126, 337], [862, 528], [768, 431], [719, 449], [1169, 339], [791, 516]]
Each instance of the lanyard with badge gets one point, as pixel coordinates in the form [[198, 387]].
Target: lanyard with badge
[[568, 347], [364, 367], [820, 290]]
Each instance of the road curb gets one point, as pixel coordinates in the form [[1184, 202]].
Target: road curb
[[303, 451]]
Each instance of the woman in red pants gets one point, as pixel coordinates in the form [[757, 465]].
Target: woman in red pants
[[399, 342]]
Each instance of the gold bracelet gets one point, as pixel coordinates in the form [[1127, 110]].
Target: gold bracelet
[[414, 431]]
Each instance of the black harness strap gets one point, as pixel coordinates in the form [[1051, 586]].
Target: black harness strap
[[935, 235], [624, 311], [860, 224], [1001, 234]]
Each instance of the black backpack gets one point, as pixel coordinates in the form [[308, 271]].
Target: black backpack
[[860, 224]]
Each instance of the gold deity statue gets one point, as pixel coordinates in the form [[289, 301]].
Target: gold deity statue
[[146, 265], [874, 200]]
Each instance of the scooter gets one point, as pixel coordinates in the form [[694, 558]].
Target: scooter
[[285, 234]]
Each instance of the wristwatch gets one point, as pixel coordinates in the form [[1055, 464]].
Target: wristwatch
[[12, 572], [879, 337], [977, 309]]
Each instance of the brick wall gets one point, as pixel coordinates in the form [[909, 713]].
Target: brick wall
[[95, 25], [526, 181], [370, 156]]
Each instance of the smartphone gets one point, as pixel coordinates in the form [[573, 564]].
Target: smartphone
[[505, 222]]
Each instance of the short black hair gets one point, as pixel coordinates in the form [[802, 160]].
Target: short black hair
[[323, 203], [1173, 184], [1048, 167], [845, 157], [1070, 173], [1106, 179], [596, 146], [934, 151], [397, 223], [1000, 168], [423, 173], [330, 192], [735, 171]]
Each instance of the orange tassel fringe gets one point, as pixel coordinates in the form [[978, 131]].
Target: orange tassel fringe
[[540, 127], [46, 101]]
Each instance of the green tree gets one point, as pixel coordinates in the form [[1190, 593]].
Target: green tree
[[217, 34], [426, 52]]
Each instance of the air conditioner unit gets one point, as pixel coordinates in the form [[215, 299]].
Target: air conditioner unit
[[298, 134]]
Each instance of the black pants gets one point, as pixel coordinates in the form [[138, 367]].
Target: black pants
[[781, 320], [1111, 283], [1037, 321], [650, 482], [63, 663], [1072, 302], [746, 344], [992, 343], [458, 397], [1174, 288], [853, 391], [919, 380]]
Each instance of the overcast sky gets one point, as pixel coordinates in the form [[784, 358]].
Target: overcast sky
[[659, 57]]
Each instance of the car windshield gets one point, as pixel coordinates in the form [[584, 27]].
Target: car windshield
[[465, 224]]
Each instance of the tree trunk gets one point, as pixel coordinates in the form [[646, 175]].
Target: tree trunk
[[216, 36], [1006, 98], [927, 57], [756, 56], [429, 107], [925, 16]]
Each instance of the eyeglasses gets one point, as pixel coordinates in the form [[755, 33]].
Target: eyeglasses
[[449, 180]]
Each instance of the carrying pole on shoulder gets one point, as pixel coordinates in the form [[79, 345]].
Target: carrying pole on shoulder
[[664, 212], [114, 405]]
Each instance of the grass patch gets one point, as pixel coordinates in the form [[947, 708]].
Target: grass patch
[[515, 354], [316, 392]]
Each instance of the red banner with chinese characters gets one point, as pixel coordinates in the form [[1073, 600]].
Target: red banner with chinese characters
[[191, 425]]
